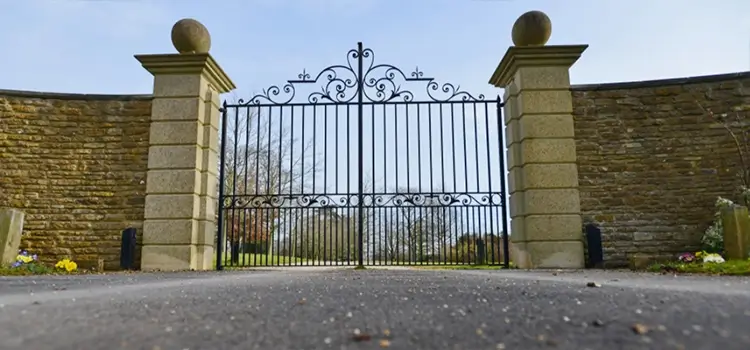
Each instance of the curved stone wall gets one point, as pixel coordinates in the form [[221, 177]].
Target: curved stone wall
[[76, 165], [651, 162]]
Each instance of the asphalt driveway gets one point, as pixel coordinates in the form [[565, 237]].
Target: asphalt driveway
[[375, 309]]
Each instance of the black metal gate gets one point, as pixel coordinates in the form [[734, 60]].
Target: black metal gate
[[362, 172]]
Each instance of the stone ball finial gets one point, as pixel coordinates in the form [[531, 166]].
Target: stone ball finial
[[190, 36], [532, 28]]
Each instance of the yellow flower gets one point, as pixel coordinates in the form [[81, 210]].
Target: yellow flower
[[71, 266], [24, 258]]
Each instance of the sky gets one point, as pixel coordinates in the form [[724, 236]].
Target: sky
[[87, 46]]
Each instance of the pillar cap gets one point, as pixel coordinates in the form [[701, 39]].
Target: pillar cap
[[534, 56], [188, 63]]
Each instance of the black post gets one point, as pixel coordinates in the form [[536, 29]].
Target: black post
[[503, 184], [594, 243], [481, 252], [127, 248], [220, 229], [360, 204]]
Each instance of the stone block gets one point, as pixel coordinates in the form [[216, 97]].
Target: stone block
[[180, 85], [207, 209], [515, 180], [210, 138], [178, 109], [551, 201], [11, 229], [175, 157], [545, 102], [545, 126], [203, 257], [172, 206], [170, 231], [209, 185], [511, 133], [176, 133], [516, 204], [167, 257], [210, 161], [553, 255], [510, 110], [547, 151], [178, 181], [551, 175], [736, 224], [206, 232], [213, 115], [542, 77], [518, 229], [553, 227]]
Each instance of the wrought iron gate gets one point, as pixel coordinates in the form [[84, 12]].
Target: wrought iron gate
[[362, 172]]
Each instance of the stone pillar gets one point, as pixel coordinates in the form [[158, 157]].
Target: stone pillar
[[181, 185], [736, 226], [546, 227]]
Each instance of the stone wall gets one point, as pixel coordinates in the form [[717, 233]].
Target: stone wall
[[651, 163], [76, 165]]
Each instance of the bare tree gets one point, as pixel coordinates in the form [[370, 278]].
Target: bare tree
[[262, 161]]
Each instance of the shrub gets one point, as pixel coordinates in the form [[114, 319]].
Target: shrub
[[713, 237]]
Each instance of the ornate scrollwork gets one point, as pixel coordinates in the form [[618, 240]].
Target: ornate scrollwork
[[370, 200], [343, 83]]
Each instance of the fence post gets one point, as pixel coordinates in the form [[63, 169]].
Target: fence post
[[543, 175], [181, 189], [736, 224]]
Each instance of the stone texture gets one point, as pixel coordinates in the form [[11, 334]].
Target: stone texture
[[736, 224], [532, 28], [76, 165], [190, 36], [11, 229], [650, 160]]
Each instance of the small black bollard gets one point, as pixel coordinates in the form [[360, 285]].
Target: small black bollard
[[481, 251], [127, 249], [594, 243]]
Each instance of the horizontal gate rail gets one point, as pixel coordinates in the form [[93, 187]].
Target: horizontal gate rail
[[362, 173]]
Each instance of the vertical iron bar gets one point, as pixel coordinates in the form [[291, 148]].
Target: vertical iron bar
[[292, 222], [431, 208], [280, 210], [303, 225], [267, 223], [324, 211], [503, 188], [315, 225], [245, 159], [360, 96], [220, 234], [442, 178], [258, 231], [373, 211], [234, 260], [489, 178], [348, 184], [336, 184]]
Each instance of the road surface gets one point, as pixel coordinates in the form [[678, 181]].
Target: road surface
[[374, 309]]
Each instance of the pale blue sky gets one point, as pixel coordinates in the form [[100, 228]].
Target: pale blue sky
[[88, 46]]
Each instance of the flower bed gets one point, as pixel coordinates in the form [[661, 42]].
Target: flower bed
[[704, 263], [29, 264]]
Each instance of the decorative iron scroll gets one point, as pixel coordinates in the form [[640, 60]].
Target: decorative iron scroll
[[424, 200], [342, 84]]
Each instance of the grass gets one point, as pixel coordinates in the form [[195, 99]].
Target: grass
[[261, 260], [728, 268], [462, 267]]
